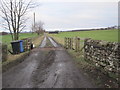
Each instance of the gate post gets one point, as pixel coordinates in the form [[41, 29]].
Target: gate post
[[4, 52], [65, 42], [71, 43], [76, 44]]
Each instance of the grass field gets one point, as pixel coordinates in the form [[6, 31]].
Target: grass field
[[7, 38], [106, 35]]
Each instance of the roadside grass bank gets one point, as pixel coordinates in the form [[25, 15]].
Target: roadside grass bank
[[102, 79], [13, 60]]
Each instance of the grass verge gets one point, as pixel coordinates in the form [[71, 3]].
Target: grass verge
[[14, 60]]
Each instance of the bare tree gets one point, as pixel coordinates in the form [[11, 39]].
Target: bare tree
[[14, 15], [38, 27]]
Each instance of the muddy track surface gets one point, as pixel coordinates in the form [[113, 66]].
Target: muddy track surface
[[46, 67]]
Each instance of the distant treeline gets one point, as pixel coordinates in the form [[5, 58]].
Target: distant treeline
[[57, 31], [107, 28], [3, 33]]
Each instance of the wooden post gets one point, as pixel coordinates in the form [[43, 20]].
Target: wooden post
[[76, 44], [68, 43], [24, 44], [4, 52], [71, 43], [27, 44], [65, 42]]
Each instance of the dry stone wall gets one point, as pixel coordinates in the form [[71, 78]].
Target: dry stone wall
[[103, 54]]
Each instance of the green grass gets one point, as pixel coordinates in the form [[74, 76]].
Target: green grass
[[6, 39], [106, 35]]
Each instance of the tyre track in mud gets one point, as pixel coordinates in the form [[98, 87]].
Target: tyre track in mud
[[46, 67]]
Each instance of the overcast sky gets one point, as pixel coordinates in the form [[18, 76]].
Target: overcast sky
[[75, 14]]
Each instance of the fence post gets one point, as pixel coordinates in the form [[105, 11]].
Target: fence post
[[68, 43], [29, 43], [71, 43], [65, 42], [4, 52], [78, 44]]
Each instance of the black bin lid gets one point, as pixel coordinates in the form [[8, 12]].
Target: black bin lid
[[17, 41]]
